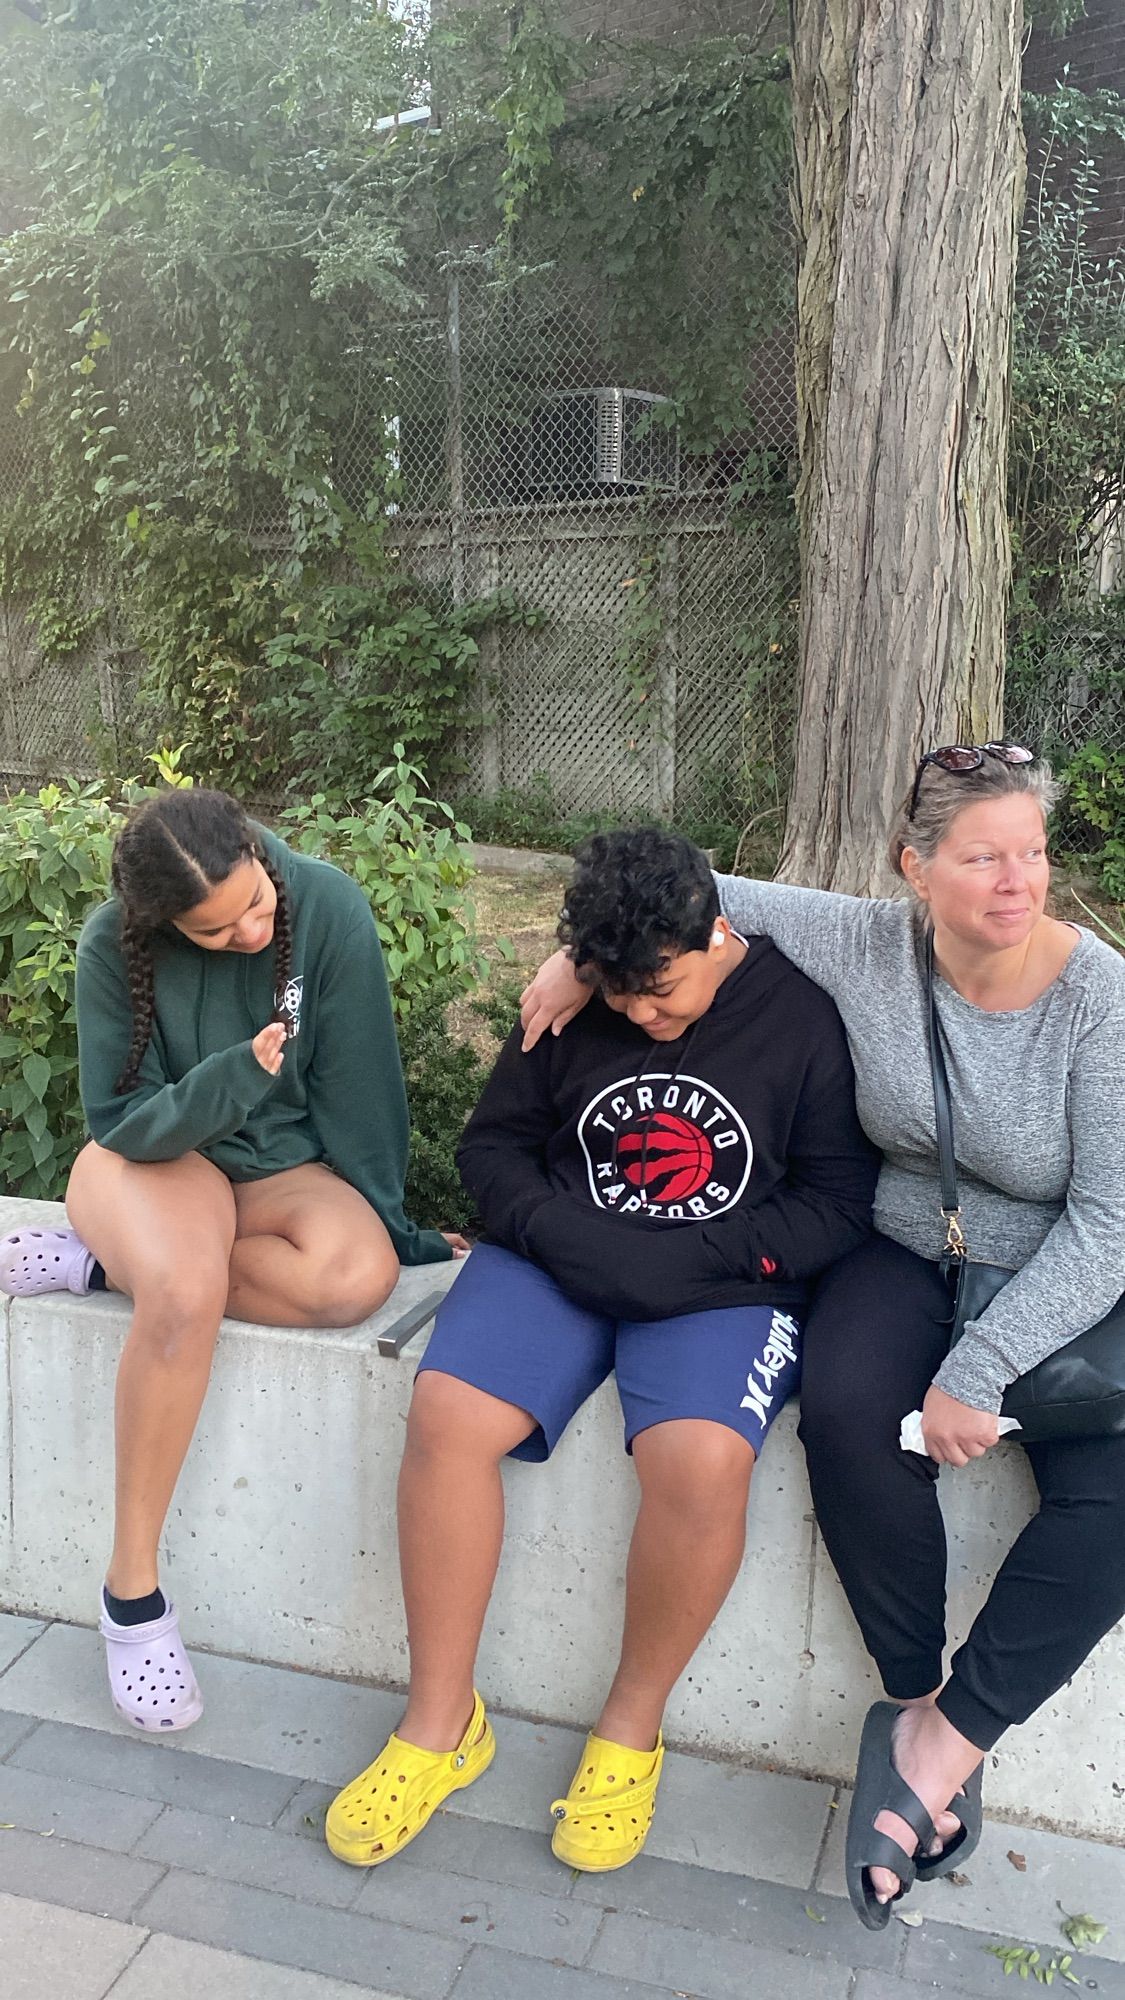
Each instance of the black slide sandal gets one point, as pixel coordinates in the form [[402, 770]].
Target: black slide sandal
[[879, 1788], [969, 1808]]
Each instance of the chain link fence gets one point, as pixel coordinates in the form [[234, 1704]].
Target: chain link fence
[[650, 665], [654, 669], [1066, 687]]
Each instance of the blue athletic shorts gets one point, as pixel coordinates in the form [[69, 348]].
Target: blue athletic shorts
[[506, 1328]]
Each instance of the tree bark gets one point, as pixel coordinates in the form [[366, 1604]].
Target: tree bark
[[908, 190]]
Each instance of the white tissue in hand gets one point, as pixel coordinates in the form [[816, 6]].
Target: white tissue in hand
[[910, 1433]]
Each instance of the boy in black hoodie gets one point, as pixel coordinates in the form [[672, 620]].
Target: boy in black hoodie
[[657, 1186]]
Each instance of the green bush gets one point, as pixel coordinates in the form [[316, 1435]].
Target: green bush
[[404, 848], [1096, 797], [407, 851], [444, 1078], [54, 867]]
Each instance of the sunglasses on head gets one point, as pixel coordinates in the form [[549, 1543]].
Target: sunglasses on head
[[960, 759]]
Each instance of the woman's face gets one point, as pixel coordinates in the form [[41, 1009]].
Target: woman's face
[[987, 883], [237, 916]]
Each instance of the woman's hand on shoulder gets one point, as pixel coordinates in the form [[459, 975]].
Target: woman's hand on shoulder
[[554, 997], [954, 1432], [456, 1243], [269, 1046]]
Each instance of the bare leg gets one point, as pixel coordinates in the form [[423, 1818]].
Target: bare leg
[[685, 1554], [163, 1233], [308, 1251], [300, 1249], [450, 1526]]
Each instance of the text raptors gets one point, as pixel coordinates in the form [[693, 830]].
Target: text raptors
[[665, 1145]]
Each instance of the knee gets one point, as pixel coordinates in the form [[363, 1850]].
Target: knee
[[176, 1317], [450, 1419], [838, 1409], [704, 1479], [352, 1287]]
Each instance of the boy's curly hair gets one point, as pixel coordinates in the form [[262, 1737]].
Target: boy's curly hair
[[638, 897]]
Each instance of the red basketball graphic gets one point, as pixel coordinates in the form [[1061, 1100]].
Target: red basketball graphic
[[668, 1157]]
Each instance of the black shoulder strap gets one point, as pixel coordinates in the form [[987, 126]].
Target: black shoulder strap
[[943, 1110]]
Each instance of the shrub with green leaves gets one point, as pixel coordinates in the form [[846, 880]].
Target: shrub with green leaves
[[1096, 797], [407, 850], [54, 867], [404, 847], [444, 1078]]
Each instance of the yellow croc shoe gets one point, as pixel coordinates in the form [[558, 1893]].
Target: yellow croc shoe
[[603, 1821], [382, 1810]]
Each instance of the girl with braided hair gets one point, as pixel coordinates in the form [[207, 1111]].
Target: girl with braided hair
[[248, 1142]]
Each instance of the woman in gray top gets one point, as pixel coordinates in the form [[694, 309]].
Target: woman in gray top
[[1033, 1012]]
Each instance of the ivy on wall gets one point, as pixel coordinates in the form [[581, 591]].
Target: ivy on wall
[[215, 258], [215, 265]]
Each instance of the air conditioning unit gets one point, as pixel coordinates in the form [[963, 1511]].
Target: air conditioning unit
[[586, 442]]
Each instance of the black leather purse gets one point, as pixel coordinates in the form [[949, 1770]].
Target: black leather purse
[[1079, 1391]]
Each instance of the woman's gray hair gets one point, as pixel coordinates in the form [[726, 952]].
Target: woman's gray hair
[[943, 795]]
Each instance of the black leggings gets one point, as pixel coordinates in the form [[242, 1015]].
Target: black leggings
[[875, 1337]]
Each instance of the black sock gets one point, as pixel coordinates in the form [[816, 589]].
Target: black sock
[[134, 1610], [97, 1282]]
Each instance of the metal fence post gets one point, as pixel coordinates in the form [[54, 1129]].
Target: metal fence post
[[455, 442], [13, 754], [667, 677], [491, 749]]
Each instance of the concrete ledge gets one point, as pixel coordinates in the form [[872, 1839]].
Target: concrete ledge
[[281, 1546]]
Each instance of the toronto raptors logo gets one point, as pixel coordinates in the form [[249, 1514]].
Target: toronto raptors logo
[[665, 1146]]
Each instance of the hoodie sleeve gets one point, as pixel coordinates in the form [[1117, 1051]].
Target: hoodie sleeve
[[502, 1155], [357, 1097], [822, 1209], [157, 1119]]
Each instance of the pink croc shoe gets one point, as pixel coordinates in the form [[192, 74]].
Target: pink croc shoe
[[151, 1682], [44, 1260]]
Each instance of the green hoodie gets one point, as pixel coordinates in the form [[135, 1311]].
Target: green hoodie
[[340, 1095]]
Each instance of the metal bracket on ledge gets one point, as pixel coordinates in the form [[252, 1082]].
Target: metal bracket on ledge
[[403, 1329]]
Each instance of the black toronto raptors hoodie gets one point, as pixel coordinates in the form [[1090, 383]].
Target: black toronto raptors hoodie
[[657, 1178]]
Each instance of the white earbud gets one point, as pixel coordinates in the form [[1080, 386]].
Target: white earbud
[[718, 937]]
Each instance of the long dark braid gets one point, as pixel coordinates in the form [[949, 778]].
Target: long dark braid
[[142, 989], [282, 933], [169, 856]]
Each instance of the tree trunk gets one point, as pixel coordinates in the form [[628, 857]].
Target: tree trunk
[[908, 191]]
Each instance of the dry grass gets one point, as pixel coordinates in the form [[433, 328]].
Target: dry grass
[[519, 912], [1066, 899], [523, 911]]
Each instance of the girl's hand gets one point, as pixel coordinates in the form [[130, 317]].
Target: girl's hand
[[554, 997], [456, 1243], [269, 1046], [954, 1432]]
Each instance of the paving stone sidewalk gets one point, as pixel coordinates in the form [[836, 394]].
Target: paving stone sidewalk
[[197, 1866]]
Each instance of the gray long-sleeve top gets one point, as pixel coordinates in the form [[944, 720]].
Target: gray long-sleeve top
[[1038, 1096]]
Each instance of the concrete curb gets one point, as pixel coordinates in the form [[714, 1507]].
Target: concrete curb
[[281, 1547]]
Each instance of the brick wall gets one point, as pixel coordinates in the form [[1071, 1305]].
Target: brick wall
[[663, 20], [650, 20], [669, 21], [1093, 52], [1094, 56], [1094, 49]]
